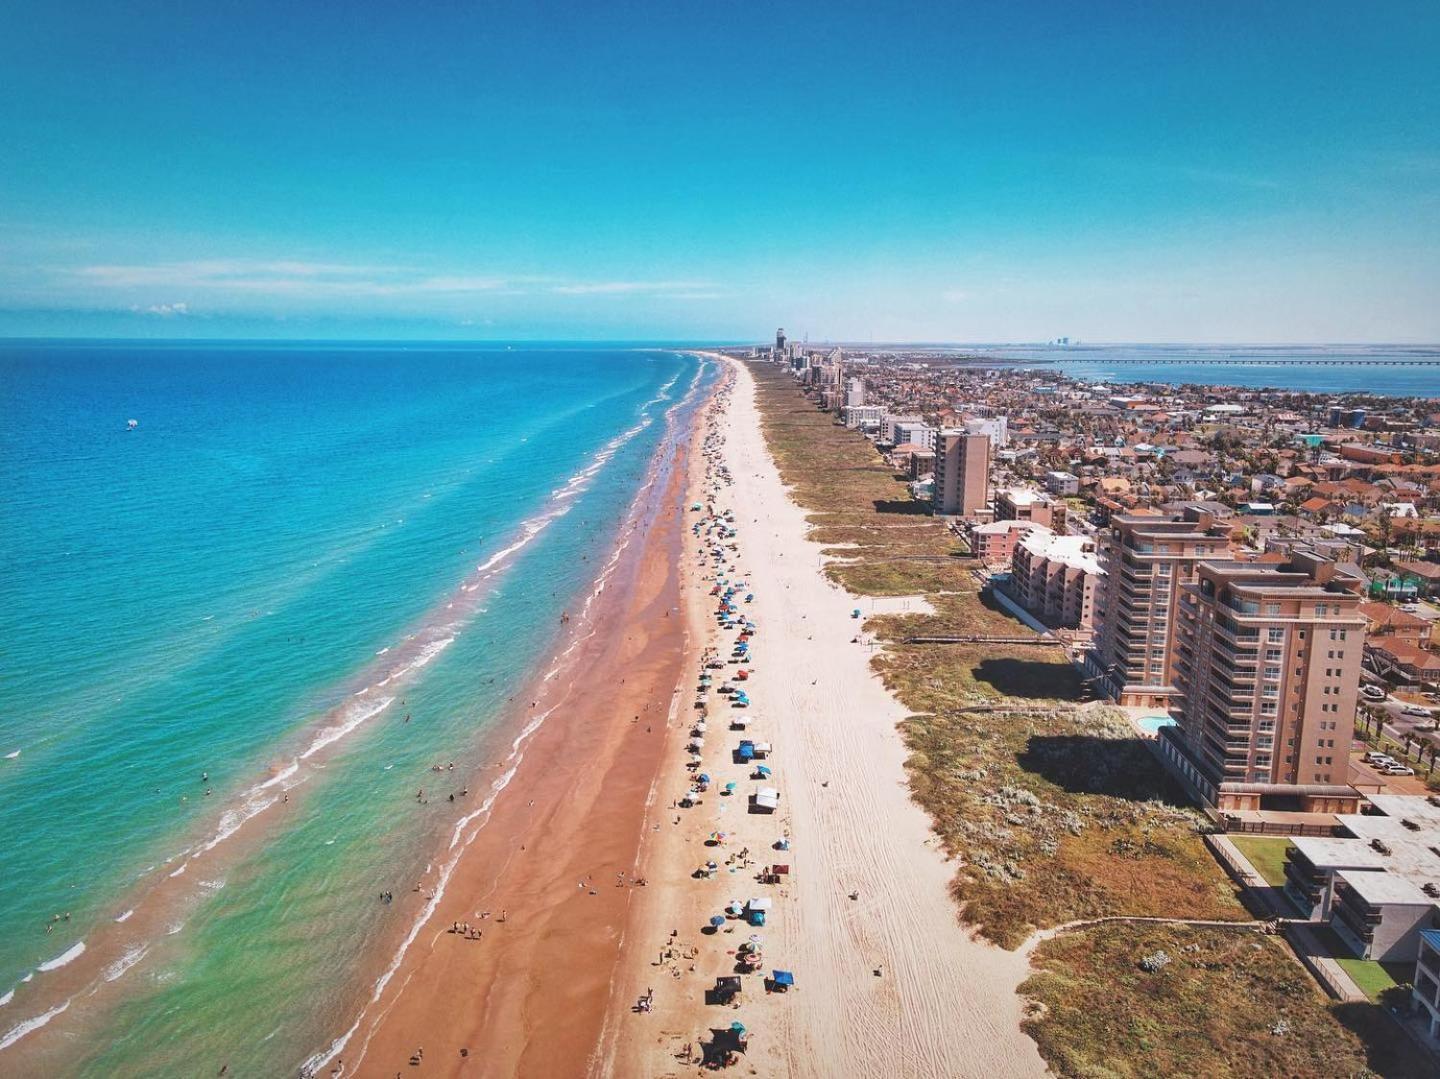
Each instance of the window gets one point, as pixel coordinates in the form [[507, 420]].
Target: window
[[1272, 674], [1274, 653], [1272, 608], [1275, 635]]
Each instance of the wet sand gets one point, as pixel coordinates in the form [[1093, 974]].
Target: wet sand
[[557, 854]]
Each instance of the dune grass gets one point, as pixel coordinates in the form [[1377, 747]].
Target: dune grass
[[1215, 1002]]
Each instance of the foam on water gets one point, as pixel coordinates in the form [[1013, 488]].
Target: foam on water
[[15, 1033], [74, 952]]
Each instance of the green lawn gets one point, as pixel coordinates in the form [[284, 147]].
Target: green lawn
[[1266, 854], [1374, 978]]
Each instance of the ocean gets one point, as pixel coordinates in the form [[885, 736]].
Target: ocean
[[240, 635], [1336, 369]]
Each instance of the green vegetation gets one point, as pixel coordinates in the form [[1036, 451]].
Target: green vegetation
[[1266, 855], [1054, 811], [1375, 979], [1130, 1000]]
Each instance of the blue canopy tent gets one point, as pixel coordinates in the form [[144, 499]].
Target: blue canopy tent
[[782, 979]]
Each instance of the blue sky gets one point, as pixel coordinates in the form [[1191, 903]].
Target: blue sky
[[683, 170]]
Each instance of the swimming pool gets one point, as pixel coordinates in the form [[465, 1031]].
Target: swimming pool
[[1152, 724]]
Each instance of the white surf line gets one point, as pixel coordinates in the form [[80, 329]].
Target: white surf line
[[321, 1058], [486, 572]]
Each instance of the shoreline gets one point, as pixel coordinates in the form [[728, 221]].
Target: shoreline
[[528, 995], [87, 980], [889, 981]]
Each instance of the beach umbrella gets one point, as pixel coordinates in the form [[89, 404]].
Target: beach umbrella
[[717, 921], [729, 786], [763, 771], [704, 777], [737, 1029]]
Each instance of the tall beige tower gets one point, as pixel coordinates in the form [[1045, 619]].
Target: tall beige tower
[[962, 472]]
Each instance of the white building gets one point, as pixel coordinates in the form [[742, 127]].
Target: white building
[[1063, 484], [997, 427], [863, 416], [916, 431]]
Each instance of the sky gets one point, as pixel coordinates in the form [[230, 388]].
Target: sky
[[999, 172]]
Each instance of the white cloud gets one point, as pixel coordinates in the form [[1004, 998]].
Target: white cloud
[[597, 288], [251, 280], [164, 310]]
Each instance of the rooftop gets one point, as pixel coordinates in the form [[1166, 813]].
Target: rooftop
[[1384, 888]]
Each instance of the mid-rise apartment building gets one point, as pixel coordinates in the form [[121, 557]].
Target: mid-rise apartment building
[[1056, 578], [1267, 663], [1020, 504], [1146, 561], [962, 472]]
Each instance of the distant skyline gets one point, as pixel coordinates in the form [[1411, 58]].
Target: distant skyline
[[1000, 172]]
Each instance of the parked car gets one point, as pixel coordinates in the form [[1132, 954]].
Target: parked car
[[1397, 770], [1372, 693], [1376, 758], [1415, 710]]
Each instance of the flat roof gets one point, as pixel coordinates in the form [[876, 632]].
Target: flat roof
[[1334, 853], [1379, 889]]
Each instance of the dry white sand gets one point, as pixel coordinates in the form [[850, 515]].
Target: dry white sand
[[942, 1003]]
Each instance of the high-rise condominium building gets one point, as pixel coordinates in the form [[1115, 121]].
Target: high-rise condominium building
[[962, 472], [1267, 661], [1145, 560]]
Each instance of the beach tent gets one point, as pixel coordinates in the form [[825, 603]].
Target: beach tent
[[762, 903], [746, 751], [767, 798], [762, 749], [782, 979]]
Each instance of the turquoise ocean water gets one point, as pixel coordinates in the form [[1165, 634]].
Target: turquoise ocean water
[[292, 550]]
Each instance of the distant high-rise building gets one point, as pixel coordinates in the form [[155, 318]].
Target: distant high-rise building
[[780, 340], [855, 391], [962, 472], [1268, 668]]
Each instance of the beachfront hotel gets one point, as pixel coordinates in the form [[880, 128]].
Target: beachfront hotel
[[1144, 563], [1267, 664], [962, 472]]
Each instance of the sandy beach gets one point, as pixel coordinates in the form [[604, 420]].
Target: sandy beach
[[541, 897], [887, 980]]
